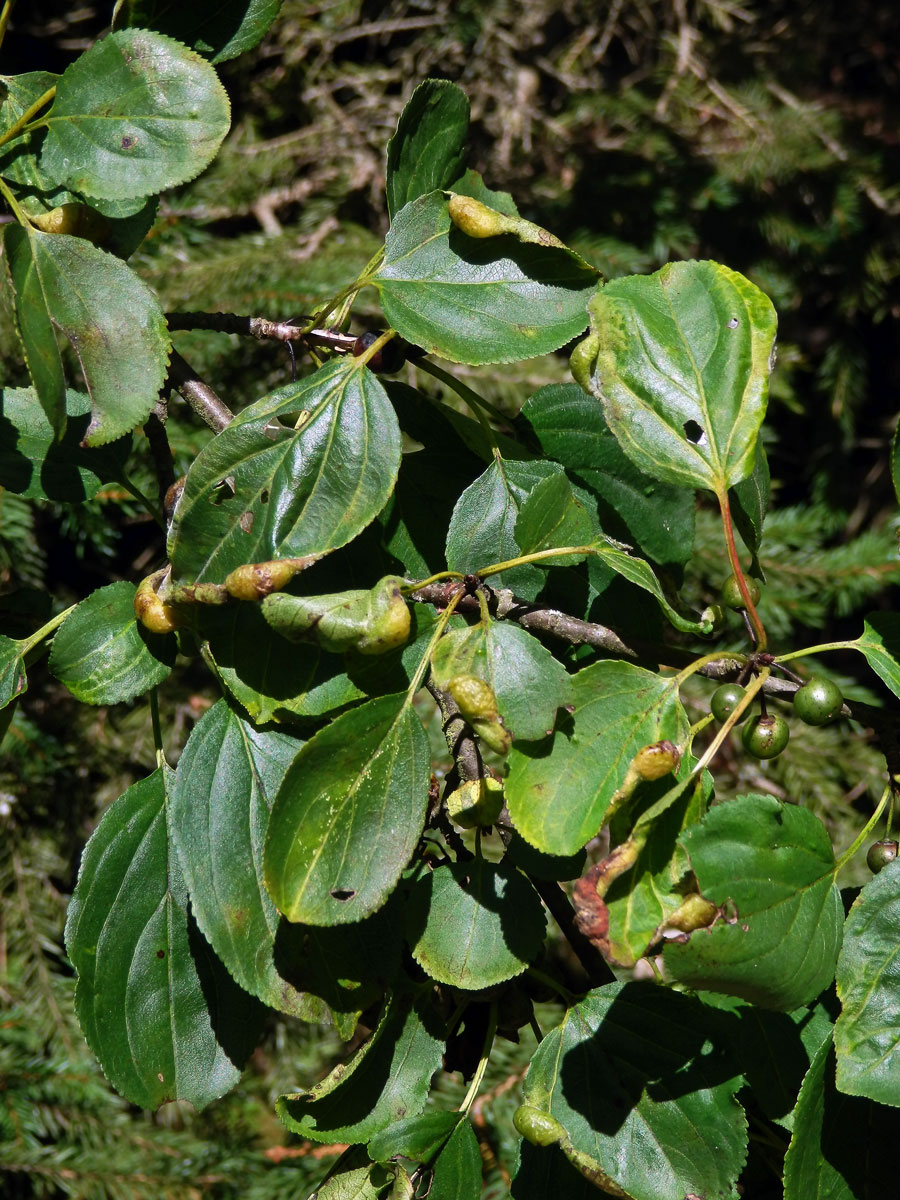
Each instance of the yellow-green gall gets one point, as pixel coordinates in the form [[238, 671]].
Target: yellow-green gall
[[656, 760], [537, 1126], [77, 220], [474, 697], [475, 219], [151, 611]]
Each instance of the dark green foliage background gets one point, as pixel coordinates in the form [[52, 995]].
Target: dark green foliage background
[[762, 137]]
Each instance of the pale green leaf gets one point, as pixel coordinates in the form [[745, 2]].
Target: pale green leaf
[[680, 361], [134, 114], [559, 788], [478, 300]]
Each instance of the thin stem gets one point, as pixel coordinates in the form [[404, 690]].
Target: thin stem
[[865, 833], [435, 638], [782, 658], [753, 616], [20, 125], [414, 587], [19, 213], [477, 403], [536, 556], [4, 18], [45, 630], [475, 1085], [157, 728]]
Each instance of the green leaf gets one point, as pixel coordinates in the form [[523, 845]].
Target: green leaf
[[156, 1006], [219, 831], [417, 1138], [470, 183], [134, 114], [552, 516], [640, 573], [349, 814], [386, 1080], [482, 528], [880, 643], [474, 924], [103, 655], [12, 670], [680, 361], [641, 899], [543, 866], [38, 467], [633, 507], [101, 306], [351, 1178], [219, 31], [750, 502], [478, 300], [559, 788], [529, 683], [263, 489], [457, 1171], [867, 1033], [427, 151], [17, 157], [223, 790], [276, 680], [840, 1144], [544, 1171], [615, 1074], [770, 867]]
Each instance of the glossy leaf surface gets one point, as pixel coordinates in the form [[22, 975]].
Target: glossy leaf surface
[[416, 1138], [641, 1041], [37, 466], [265, 489], [633, 507], [553, 516], [156, 1006], [867, 1033], [103, 655], [100, 305], [221, 795], [136, 113], [427, 151], [348, 814], [680, 361], [386, 1080], [219, 31], [482, 528], [478, 300], [529, 683], [770, 866], [880, 643], [559, 788], [474, 924], [839, 1149], [457, 1171]]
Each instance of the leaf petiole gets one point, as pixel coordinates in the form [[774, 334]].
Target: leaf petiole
[[864, 832], [21, 125]]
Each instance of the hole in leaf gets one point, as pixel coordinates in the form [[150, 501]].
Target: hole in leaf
[[694, 433], [732, 324], [264, 496], [343, 893], [223, 490], [246, 521]]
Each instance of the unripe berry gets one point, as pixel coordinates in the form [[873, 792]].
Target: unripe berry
[[725, 700], [766, 737], [818, 701], [880, 854]]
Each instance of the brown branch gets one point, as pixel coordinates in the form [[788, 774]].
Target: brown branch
[[199, 395], [261, 327]]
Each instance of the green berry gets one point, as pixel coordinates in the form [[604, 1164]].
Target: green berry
[[725, 700], [731, 593], [880, 854], [818, 701], [766, 737]]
